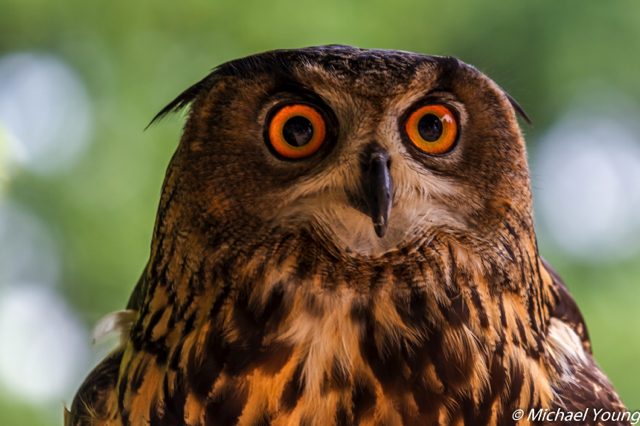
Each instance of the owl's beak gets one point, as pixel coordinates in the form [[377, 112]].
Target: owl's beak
[[377, 186]]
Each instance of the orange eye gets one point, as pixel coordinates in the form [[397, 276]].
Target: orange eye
[[433, 129], [297, 131]]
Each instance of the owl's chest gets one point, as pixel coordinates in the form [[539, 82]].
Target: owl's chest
[[402, 344], [337, 357]]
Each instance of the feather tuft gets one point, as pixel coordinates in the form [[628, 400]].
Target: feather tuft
[[117, 323]]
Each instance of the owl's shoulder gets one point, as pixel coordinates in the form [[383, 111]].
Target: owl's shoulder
[[581, 383], [91, 404]]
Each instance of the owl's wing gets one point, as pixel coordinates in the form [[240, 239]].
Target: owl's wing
[[91, 401], [567, 309], [582, 383]]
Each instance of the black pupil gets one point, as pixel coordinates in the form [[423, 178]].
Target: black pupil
[[430, 128], [297, 131]]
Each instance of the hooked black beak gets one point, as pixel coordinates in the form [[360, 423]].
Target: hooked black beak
[[377, 186]]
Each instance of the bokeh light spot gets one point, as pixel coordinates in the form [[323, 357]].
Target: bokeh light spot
[[45, 112], [28, 252], [44, 346], [587, 170]]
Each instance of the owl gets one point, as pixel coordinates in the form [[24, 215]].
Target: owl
[[345, 237]]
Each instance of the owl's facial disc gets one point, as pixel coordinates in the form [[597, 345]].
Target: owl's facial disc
[[377, 186]]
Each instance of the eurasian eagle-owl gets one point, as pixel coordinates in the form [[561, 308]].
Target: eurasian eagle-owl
[[345, 237]]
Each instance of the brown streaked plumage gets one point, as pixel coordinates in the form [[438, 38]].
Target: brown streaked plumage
[[270, 298]]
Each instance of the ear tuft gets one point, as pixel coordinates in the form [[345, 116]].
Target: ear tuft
[[518, 109], [185, 98]]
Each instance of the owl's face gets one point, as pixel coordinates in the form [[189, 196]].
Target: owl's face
[[368, 150]]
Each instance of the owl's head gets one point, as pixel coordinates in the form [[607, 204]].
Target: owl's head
[[368, 150]]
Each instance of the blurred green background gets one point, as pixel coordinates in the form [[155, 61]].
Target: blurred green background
[[80, 180]]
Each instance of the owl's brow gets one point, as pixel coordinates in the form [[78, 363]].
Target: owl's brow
[[293, 86], [449, 66]]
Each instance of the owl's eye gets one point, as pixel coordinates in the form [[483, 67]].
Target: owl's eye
[[433, 129], [297, 131]]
